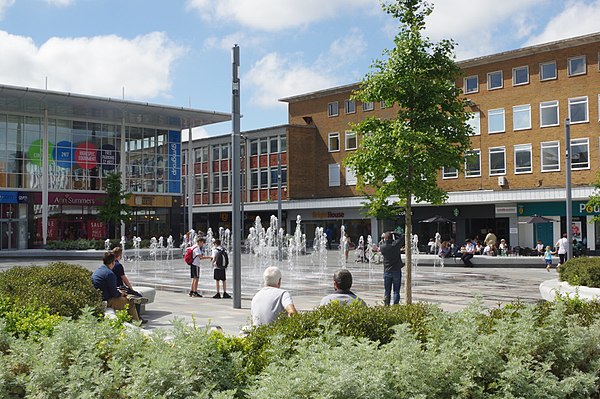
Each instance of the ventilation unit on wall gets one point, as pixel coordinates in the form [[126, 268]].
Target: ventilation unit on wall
[[501, 181]]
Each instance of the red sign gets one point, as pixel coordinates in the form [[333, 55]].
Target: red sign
[[52, 229], [86, 155], [96, 230], [81, 199]]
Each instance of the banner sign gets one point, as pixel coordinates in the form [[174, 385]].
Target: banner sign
[[174, 144], [108, 157], [86, 155], [96, 230], [64, 154], [8, 197]]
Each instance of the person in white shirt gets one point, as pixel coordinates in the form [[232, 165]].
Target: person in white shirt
[[562, 249], [198, 252], [271, 300], [342, 282]]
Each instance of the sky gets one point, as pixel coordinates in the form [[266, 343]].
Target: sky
[[178, 52]]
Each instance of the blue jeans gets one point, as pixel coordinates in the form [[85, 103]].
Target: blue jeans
[[392, 279]]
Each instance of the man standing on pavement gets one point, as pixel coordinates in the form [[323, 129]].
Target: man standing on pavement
[[562, 249], [106, 281], [271, 300], [198, 255], [392, 266]]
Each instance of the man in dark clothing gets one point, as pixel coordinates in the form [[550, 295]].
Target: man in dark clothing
[[106, 281], [392, 266]]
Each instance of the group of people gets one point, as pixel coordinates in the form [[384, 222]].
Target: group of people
[[489, 247], [199, 253]]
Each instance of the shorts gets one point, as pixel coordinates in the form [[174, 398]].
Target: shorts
[[220, 274], [194, 271], [548, 261]]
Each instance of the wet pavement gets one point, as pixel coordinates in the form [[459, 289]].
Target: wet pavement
[[308, 279]]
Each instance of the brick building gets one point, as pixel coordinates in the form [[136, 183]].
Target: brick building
[[519, 102]]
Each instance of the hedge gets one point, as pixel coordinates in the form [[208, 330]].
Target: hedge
[[581, 271]]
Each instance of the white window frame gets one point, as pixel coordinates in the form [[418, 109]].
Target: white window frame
[[496, 112], [547, 105], [542, 78], [489, 86], [333, 109], [334, 175], [546, 145], [449, 174], [348, 135], [518, 110], [349, 107], [586, 142], [514, 75], [330, 136], [466, 81], [496, 150], [467, 172], [578, 100], [520, 148], [382, 105], [368, 106], [350, 177], [570, 69], [475, 122]]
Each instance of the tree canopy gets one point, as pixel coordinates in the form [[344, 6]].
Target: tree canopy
[[114, 210], [400, 158]]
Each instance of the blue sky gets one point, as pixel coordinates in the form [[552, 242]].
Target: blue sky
[[178, 52]]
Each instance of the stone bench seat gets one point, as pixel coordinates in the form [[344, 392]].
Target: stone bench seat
[[147, 292]]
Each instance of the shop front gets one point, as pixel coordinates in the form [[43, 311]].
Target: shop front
[[153, 216], [355, 223], [14, 229]]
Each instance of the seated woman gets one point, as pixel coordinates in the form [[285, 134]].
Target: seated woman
[[444, 251]]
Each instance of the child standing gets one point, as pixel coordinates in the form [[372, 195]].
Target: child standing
[[548, 257], [220, 263]]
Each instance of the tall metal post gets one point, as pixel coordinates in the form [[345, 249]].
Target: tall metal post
[[189, 186], [279, 243], [569, 200], [235, 186]]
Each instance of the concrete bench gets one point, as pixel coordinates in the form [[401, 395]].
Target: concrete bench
[[549, 289], [489, 261], [148, 292]]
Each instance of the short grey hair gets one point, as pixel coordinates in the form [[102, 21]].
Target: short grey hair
[[272, 276]]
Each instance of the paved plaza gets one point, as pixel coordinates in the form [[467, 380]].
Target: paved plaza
[[308, 279]]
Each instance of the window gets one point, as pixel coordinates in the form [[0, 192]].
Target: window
[[474, 122], [550, 151], [215, 183], [449, 172], [497, 161], [264, 146], [473, 164], [350, 141], [283, 144], [254, 179], [496, 120], [333, 109], [350, 177], [224, 151], [549, 113], [576, 66], [523, 158], [522, 117], [225, 181], [334, 142], [520, 75], [274, 145], [264, 178], [254, 147], [350, 106], [334, 175], [578, 109], [494, 80], [368, 106], [383, 105], [216, 152], [548, 70], [471, 84], [580, 155]]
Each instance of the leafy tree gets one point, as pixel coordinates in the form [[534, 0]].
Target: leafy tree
[[114, 210], [399, 159], [594, 200]]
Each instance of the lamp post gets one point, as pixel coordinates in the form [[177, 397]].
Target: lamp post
[[568, 198], [235, 166]]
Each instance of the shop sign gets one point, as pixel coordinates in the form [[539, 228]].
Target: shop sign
[[506, 210], [327, 215], [23, 198], [35, 152], [64, 154], [96, 230], [150, 201], [8, 197], [174, 148], [579, 208], [86, 155], [70, 199], [108, 157]]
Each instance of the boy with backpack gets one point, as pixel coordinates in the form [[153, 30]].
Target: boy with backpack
[[220, 263], [193, 255]]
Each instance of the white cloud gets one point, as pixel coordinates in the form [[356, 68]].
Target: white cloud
[[577, 18], [60, 3], [4, 4], [274, 77], [242, 39], [274, 15], [100, 65], [345, 50]]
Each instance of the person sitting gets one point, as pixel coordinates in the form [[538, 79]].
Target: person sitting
[[431, 246], [503, 247], [123, 283], [342, 282], [467, 253], [539, 248], [106, 281], [271, 300], [444, 251], [489, 250]]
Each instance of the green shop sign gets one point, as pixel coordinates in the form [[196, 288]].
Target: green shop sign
[[35, 152], [556, 209]]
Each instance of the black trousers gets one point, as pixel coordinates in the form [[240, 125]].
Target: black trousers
[[466, 258]]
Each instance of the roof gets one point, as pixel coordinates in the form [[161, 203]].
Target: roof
[[488, 59], [109, 110]]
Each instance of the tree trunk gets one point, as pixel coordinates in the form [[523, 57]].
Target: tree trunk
[[408, 248]]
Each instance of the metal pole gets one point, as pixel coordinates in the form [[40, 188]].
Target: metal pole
[[569, 200], [279, 254], [235, 186], [243, 159], [189, 187]]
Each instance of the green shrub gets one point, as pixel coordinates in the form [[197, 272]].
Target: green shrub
[[62, 288], [28, 320], [581, 271]]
